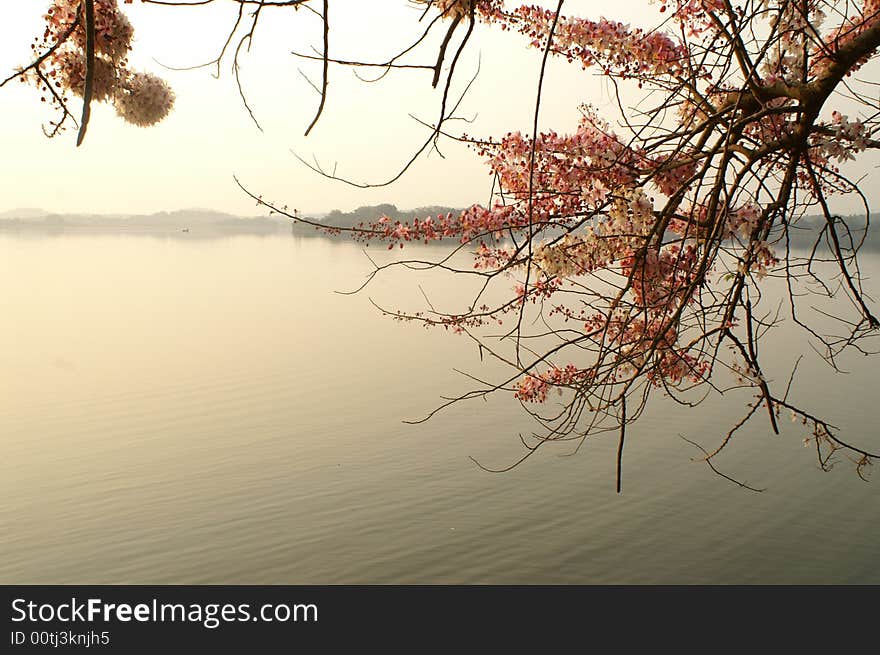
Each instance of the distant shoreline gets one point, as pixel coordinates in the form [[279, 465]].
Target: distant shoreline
[[203, 222], [211, 224]]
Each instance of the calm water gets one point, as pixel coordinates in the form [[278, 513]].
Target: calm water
[[209, 411]]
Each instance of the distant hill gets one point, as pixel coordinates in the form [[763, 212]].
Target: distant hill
[[23, 214], [196, 220], [804, 233]]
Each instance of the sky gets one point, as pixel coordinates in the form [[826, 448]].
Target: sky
[[190, 158], [366, 132]]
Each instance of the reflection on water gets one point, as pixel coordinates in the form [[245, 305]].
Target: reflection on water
[[180, 411]]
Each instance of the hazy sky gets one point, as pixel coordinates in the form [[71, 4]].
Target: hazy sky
[[366, 132]]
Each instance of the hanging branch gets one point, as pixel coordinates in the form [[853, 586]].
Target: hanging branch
[[90, 71], [325, 67]]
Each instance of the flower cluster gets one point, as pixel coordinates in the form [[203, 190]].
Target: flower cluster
[[533, 388], [855, 23], [615, 47], [628, 222], [113, 31], [661, 280], [787, 58], [140, 98], [694, 16], [844, 138], [492, 258], [143, 99], [673, 172], [743, 221], [472, 223], [759, 259]]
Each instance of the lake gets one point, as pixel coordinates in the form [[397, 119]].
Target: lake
[[185, 410]]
